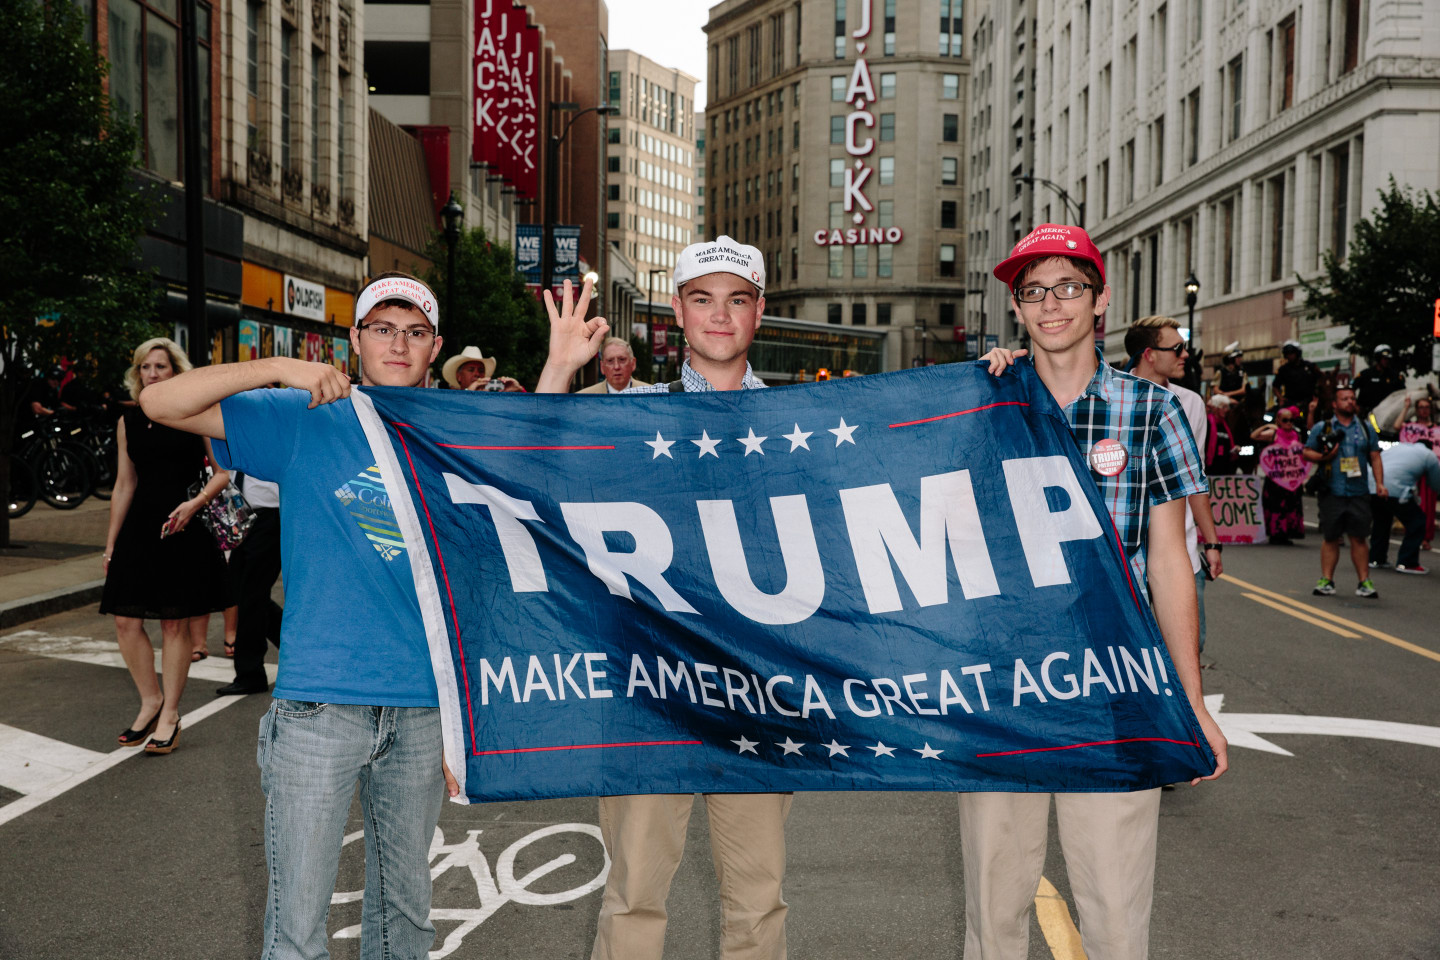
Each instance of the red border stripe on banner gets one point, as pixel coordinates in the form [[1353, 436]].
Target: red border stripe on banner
[[1097, 743], [466, 446], [961, 413], [591, 746]]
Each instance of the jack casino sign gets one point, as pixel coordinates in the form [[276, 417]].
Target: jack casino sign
[[507, 93], [859, 144]]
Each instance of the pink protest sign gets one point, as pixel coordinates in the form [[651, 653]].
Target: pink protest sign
[[1235, 505], [1413, 431], [1285, 464]]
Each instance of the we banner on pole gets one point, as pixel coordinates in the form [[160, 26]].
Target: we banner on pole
[[897, 582]]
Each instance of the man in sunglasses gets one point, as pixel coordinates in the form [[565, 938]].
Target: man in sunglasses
[[1157, 353], [355, 699], [1142, 456]]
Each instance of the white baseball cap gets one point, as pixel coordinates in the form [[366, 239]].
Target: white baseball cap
[[721, 255], [398, 287]]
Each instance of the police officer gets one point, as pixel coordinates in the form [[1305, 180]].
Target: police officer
[[1378, 380], [1297, 378]]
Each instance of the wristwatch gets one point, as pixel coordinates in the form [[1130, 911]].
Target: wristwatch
[[1218, 547]]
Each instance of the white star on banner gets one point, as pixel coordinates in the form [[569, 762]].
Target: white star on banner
[[752, 443], [836, 748], [707, 445], [929, 752], [843, 433], [790, 746], [880, 749], [661, 446], [797, 439], [746, 746]]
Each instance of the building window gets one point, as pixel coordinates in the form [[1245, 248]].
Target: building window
[[1235, 77], [1287, 63], [860, 268], [950, 27], [947, 214], [834, 311], [253, 14], [889, 28], [1339, 200], [612, 164], [287, 92], [1277, 227], [949, 170], [837, 129], [837, 216], [837, 88], [614, 100], [887, 171], [794, 176], [837, 173], [317, 102], [887, 86], [612, 191], [887, 127], [1192, 128], [1227, 246], [840, 29], [1157, 152], [885, 213], [858, 310], [612, 135], [947, 259], [950, 86], [885, 261], [1351, 44], [612, 221], [951, 128], [882, 314], [837, 261]]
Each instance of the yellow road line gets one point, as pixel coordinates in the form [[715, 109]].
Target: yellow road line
[[1291, 611], [1316, 611], [1054, 916]]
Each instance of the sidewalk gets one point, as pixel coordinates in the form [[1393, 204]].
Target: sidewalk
[[53, 561]]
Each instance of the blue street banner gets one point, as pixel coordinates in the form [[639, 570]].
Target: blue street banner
[[905, 581], [530, 240]]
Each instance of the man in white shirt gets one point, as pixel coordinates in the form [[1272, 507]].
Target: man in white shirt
[[254, 568], [1158, 353], [617, 363]]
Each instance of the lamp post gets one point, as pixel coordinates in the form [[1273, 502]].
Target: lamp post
[[195, 299], [552, 177], [1192, 291], [1070, 205], [452, 213]]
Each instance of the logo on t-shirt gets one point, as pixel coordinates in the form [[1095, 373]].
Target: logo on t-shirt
[[366, 500]]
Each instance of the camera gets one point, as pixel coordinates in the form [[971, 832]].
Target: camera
[[494, 385], [1329, 440]]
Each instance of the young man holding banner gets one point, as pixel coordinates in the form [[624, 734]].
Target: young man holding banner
[[355, 699], [719, 299], [1142, 456]]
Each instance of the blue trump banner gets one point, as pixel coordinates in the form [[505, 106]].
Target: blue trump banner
[[898, 582]]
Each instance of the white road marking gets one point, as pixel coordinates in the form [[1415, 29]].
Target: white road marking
[[42, 768], [1242, 729]]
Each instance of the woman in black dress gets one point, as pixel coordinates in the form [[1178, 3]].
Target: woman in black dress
[[158, 564]]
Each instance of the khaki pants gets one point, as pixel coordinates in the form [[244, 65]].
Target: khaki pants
[[645, 837], [1109, 845]]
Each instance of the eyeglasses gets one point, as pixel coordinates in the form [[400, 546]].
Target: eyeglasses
[[1069, 290], [384, 333], [1177, 349]]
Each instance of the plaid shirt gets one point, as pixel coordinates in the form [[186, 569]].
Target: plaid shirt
[[695, 383], [1163, 464]]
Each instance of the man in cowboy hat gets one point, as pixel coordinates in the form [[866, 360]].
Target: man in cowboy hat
[[617, 363], [472, 370]]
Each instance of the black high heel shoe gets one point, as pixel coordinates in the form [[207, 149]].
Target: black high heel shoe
[[133, 738], [164, 746]]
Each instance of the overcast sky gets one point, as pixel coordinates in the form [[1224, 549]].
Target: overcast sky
[[667, 31]]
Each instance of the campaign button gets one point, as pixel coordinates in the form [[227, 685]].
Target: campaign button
[[1108, 457]]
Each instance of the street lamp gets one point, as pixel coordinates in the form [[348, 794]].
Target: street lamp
[[451, 213], [1070, 205], [1192, 291], [552, 176]]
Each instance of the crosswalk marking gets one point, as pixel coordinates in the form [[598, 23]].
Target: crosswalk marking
[[41, 768]]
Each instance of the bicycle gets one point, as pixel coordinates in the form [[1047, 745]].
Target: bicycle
[[24, 489], [64, 471]]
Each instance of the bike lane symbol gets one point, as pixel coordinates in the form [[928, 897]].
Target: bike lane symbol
[[494, 889]]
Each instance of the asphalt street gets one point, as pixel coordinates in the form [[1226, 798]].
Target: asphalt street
[[1322, 841]]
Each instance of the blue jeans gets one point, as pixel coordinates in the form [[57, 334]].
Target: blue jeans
[[311, 757]]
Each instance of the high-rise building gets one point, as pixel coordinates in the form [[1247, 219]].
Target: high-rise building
[[650, 208], [1235, 143], [834, 142], [699, 129]]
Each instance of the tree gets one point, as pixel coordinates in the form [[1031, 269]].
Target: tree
[[1386, 286], [71, 211], [494, 309]]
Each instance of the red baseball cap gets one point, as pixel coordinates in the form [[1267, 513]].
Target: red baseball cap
[[1049, 240]]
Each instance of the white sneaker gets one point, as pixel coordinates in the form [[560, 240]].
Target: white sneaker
[[1417, 569]]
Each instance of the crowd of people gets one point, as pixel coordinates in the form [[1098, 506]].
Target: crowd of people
[[356, 670]]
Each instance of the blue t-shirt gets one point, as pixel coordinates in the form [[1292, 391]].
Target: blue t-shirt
[[352, 631], [1350, 467]]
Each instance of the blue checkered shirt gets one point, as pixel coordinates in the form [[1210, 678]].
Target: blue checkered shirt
[[1164, 463], [695, 383]]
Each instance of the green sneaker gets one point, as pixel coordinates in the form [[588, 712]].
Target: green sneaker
[[1366, 589], [1324, 588]]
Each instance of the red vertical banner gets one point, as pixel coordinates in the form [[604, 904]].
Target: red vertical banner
[[489, 22], [527, 179]]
